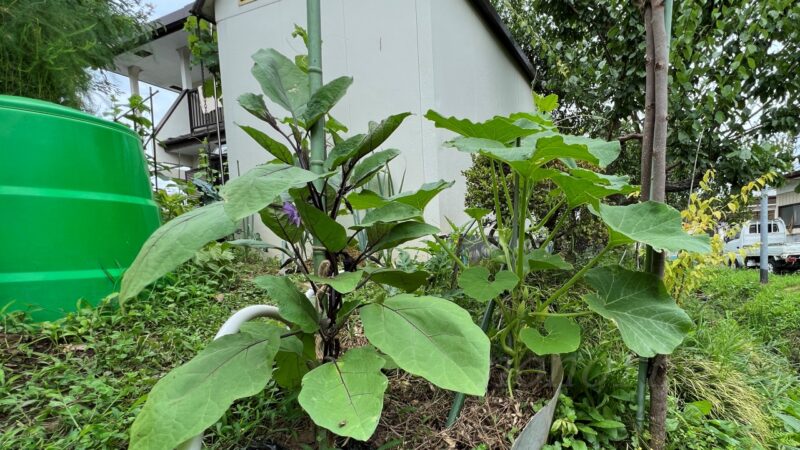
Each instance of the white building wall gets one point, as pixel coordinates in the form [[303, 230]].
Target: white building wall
[[404, 55], [474, 78]]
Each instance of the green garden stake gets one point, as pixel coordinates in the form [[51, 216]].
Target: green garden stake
[[641, 387], [317, 133]]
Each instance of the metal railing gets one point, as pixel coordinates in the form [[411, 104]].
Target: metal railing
[[198, 118]]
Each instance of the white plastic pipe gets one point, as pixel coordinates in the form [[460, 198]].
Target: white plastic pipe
[[232, 326]]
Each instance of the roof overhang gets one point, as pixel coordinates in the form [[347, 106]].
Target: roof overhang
[[157, 56], [205, 10]]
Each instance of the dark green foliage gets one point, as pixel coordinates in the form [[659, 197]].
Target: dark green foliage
[[582, 233], [733, 89], [47, 47]]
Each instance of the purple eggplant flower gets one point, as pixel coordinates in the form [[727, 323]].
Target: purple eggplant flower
[[291, 212]]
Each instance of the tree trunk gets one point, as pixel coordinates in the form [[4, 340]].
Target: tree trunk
[[649, 106], [658, 365]]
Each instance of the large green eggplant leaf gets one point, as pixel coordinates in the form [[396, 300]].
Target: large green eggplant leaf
[[369, 166], [539, 259], [391, 236], [254, 104], [648, 319], [408, 281], [279, 222], [294, 306], [389, 213], [583, 186], [174, 243], [430, 337], [291, 361], [195, 395], [272, 146], [378, 133], [475, 283], [498, 128], [344, 283], [329, 232], [655, 224], [323, 100], [421, 197], [339, 153], [366, 199], [281, 80], [255, 244], [563, 336], [260, 186], [346, 396]]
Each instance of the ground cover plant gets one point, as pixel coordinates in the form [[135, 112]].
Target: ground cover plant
[[298, 195], [79, 382]]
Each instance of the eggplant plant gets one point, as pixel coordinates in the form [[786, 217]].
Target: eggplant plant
[[342, 390], [532, 319]]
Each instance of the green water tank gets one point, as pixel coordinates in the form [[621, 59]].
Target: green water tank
[[75, 206]]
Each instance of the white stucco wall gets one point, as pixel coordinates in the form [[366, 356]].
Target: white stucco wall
[[404, 55]]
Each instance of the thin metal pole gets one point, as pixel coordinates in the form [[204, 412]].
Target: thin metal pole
[[317, 138], [764, 254], [219, 136], [153, 140]]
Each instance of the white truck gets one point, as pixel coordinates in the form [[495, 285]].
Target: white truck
[[783, 255]]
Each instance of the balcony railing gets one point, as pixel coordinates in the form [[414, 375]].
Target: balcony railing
[[199, 119]]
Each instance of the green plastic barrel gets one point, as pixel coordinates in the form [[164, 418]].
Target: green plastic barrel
[[75, 206]]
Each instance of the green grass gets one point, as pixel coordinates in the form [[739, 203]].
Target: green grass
[[771, 311], [79, 382]]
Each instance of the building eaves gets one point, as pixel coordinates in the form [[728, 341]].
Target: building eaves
[[170, 23]]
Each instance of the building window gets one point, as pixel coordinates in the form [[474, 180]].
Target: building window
[[790, 215]]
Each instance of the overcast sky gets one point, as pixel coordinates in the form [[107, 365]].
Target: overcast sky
[[164, 98]]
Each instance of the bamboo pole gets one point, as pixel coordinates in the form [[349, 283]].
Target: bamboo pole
[[317, 136]]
